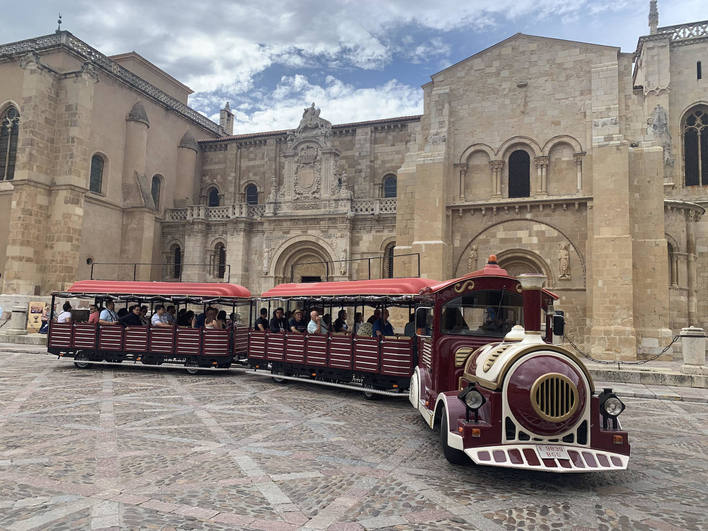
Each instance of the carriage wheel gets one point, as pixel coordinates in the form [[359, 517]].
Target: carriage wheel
[[192, 367], [368, 395], [453, 455], [81, 359], [279, 380]]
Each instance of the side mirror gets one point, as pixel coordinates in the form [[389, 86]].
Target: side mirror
[[558, 323]]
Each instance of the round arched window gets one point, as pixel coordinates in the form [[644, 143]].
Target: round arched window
[[9, 131], [519, 174], [389, 186], [96, 178], [695, 147], [155, 190]]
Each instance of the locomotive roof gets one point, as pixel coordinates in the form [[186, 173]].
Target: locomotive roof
[[385, 288], [202, 291], [491, 269]]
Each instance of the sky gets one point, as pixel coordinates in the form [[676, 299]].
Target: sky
[[355, 59]]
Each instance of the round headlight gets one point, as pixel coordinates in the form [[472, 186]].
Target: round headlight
[[613, 406], [474, 399]]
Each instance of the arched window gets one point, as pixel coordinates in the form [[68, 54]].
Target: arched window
[[388, 260], [219, 260], [251, 194], [695, 147], [155, 190], [389, 186], [519, 174], [176, 262], [96, 179], [9, 130], [213, 197]]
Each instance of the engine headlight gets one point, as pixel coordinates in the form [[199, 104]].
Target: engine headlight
[[613, 406], [474, 399]]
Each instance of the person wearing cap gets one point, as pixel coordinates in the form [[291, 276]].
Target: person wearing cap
[[297, 323]]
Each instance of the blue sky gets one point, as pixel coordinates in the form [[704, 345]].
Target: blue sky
[[357, 60]]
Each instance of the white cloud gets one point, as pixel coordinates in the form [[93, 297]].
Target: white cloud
[[339, 102]]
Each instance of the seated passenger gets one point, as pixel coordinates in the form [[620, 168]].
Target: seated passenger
[[159, 318], [212, 320], [122, 312], [316, 326], [185, 319], [365, 330], [409, 329], [108, 316], [262, 322], [453, 320], [170, 315], [340, 324], [375, 317], [297, 323], [65, 316], [358, 319], [143, 316], [382, 327], [132, 318], [278, 322], [93, 314]]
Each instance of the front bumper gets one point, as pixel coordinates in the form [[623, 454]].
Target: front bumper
[[526, 456]]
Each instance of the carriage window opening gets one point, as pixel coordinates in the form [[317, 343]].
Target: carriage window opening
[[519, 174], [220, 259], [389, 186], [251, 194], [96, 179], [483, 313], [699, 70], [177, 262], [9, 130], [155, 190], [695, 147]]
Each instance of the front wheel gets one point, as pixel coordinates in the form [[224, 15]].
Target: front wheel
[[192, 367], [453, 455], [81, 360]]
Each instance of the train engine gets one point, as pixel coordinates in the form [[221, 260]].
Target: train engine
[[519, 401]]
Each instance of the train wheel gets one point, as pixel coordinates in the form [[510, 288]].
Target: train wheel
[[279, 380], [453, 455], [192, 367], [368, 395], [81, 360]]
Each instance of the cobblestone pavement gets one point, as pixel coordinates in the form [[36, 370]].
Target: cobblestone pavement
[[160, 449]]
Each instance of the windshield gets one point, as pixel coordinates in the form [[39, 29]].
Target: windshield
[[483, 313]]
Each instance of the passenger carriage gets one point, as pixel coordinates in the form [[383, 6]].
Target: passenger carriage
[[500, 394], [193, 348], [375, 365]]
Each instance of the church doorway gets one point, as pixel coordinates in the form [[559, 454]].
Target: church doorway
[[304, 261]]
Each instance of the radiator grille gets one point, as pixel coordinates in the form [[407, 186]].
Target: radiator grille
[[554, 397], [427, 353]]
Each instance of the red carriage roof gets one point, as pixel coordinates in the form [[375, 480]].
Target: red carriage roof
[[168, 289], [391, 287]]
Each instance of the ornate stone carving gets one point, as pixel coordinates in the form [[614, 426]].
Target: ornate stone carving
[[658, 129], [564, 262], [472, 259], [343, 263], [308, 169], [340, 186], [312, 125], [267, 251]]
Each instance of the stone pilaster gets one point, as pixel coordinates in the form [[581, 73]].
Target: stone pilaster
[[497, 169], [195, 252], [542, 174]]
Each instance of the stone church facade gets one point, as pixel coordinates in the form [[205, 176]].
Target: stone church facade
[[576, 160]]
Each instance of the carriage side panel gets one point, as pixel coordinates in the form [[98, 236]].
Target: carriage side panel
[[340, 352], [110, 338], [240, 340], [188, 341], [162, 340], [316, 351], [366, 354], [215, 343], [136, 339], [397, 356], [257, 345], [60, 335], [295, 348], [276, 347]]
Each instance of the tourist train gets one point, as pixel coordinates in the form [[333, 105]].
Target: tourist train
[[478, 363]]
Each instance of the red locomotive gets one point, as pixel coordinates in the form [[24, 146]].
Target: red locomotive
[[499, 392]]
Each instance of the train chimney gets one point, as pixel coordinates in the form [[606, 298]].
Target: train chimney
[[531, 285]]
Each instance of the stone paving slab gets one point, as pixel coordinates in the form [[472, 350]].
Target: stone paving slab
[[130, 448]]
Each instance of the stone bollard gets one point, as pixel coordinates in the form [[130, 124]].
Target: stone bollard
[[18, 321], [693, 345]]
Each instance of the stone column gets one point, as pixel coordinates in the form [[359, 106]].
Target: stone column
[[195, 252], [186, 170], [691, 259], [462, 168], [579, 169], [542, 174], [497, 168]]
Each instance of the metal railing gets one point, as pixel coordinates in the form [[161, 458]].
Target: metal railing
[[170, 271], [368, 259]]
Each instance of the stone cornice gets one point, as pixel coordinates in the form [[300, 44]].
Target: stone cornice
[[525, 204], [694, 211], [67, 41]]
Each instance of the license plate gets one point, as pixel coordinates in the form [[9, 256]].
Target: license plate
[[548, 451]]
